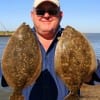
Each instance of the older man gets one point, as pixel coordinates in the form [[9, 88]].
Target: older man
[[46, 16]]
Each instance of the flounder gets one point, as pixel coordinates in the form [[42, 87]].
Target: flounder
[[74, 61], [21, 60]]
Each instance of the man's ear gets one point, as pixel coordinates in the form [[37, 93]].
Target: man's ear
[[61, 15], [32, 13]]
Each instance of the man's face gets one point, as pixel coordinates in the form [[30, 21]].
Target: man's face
[[46, 18]]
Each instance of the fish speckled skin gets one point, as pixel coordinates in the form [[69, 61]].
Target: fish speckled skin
[[21, 61], [74, 60]]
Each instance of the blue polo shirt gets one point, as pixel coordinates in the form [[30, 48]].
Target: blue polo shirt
[[49, 86]]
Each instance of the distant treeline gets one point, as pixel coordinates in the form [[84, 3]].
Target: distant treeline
[[6, 33]]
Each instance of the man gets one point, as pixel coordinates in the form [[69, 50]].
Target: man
[[46, 16]]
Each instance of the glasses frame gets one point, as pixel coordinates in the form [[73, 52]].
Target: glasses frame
[[52, 12]]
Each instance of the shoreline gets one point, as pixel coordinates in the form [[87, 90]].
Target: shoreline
[[6, 33], [3, 35]]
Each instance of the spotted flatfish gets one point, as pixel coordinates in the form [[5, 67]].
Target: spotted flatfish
[[21, 60], [74, 61]]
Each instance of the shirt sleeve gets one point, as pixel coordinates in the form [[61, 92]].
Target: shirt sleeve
[[96, 75], [3, 81], [0, 71]]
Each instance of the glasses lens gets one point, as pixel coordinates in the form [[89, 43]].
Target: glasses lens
[[53, 12], [41, 12]]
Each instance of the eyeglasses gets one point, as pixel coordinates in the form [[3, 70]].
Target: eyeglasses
[[52, 12]]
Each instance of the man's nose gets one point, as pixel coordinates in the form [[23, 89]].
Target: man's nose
[[46, 14]]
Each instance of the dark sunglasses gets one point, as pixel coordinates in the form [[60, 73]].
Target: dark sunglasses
[[41, 12]]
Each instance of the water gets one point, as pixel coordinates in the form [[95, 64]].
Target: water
[[94, 38], [3, 42]]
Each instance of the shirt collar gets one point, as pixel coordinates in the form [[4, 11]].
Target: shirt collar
[[59, 30]]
